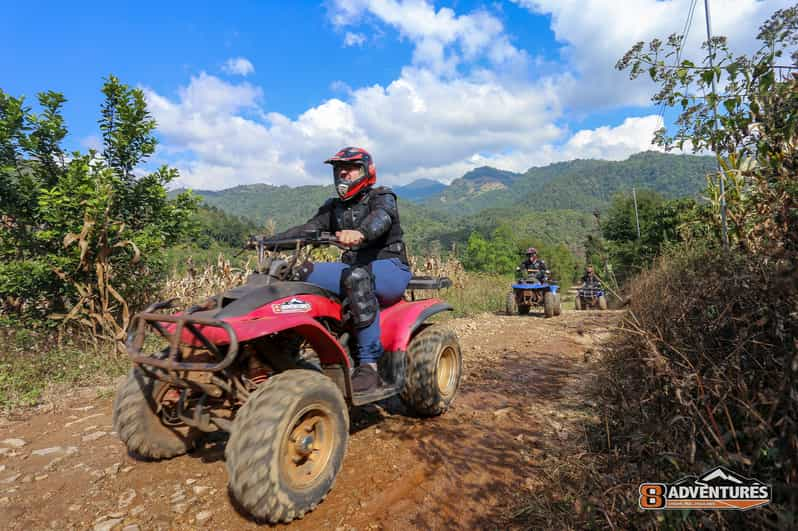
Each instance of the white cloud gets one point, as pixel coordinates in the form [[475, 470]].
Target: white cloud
[[418, 126], [417, 121], [354, 39], [466, 99], [610, 143], [340, 86], [442, 39], [238, 66], [596, 33], [613, 143]]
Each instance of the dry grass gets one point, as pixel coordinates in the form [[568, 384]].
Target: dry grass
[[471, 293], [702, 373]]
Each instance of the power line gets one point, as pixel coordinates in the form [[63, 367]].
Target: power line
[[688, 23], [686, 30], [722, 175]]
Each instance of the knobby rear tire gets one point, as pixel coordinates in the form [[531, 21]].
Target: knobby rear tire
[[434, 370], [549, 304]]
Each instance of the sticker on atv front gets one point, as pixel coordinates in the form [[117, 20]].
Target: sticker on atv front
[[293, 306]]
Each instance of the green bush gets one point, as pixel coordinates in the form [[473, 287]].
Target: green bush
[[503, 251], [662, 224], [83, 235]]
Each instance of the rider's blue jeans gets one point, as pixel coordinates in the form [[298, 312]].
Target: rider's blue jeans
[[390, 278]]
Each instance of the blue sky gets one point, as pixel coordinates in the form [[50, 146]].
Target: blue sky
[[263, 91]]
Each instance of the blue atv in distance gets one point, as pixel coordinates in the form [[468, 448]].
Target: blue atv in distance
[[589, 297], [534, 289]]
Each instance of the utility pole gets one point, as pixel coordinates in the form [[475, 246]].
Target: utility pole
[[724, 231], [637, 217]]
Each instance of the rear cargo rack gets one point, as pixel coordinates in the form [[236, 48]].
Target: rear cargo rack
[[426, 283], [149, 317], [429, 283]]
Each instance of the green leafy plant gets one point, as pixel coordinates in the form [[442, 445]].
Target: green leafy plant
[[82, 236], [754, 138]]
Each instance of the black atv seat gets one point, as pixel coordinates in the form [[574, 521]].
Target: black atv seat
[[255, 293], [428, 283]]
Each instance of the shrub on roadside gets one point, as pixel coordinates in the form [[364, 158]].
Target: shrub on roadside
[[704, 373]]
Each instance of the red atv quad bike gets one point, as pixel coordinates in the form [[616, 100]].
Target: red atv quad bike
[[269, 363]]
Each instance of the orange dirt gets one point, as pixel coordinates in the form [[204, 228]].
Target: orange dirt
[[520, 399]]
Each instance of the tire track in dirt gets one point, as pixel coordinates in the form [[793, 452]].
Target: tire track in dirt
[[520, 397]]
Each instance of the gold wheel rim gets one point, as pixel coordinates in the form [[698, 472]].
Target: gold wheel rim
[[307, 447], [447, 372]]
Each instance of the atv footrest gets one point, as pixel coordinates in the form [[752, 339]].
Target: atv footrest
[[380, 393]]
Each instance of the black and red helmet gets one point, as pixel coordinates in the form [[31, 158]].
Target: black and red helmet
[[368, 172], [531, 251]]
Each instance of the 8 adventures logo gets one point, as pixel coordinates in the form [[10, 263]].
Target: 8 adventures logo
[[719, 488]]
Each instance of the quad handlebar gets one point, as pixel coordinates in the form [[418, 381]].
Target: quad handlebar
[[315, 239], [267, 247]]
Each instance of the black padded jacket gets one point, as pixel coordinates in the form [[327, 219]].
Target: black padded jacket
[[373, 212]]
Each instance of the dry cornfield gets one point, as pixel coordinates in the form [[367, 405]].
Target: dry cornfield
[[469, 291], [201, 283]]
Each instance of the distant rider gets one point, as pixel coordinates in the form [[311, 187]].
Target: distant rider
[[532, 262], [589, 279], [374, 271]]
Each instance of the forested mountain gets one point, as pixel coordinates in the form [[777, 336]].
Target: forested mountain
[[579, 184], [216, 225], [552, 204], [420, 189], [284, 205]]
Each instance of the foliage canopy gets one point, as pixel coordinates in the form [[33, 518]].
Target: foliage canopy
[[82, 234]]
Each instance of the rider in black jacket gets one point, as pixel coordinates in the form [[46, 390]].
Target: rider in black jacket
[[532, 262], [589, 279], [374, 270]]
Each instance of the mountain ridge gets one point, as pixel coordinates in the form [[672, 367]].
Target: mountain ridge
[[553, 202], [580, 184]]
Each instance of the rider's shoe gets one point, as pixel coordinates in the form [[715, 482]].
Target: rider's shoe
[[365, 378]]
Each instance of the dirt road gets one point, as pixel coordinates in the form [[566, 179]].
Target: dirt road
[[522, 397]]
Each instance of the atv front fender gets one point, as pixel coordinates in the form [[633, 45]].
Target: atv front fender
[[324, 343], [214, 333]]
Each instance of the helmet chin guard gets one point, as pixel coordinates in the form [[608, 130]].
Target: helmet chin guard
[[368, 172]]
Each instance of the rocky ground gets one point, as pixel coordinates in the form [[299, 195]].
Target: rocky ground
[[522, 398]]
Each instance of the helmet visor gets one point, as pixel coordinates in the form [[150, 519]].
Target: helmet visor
[[348, 171]]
